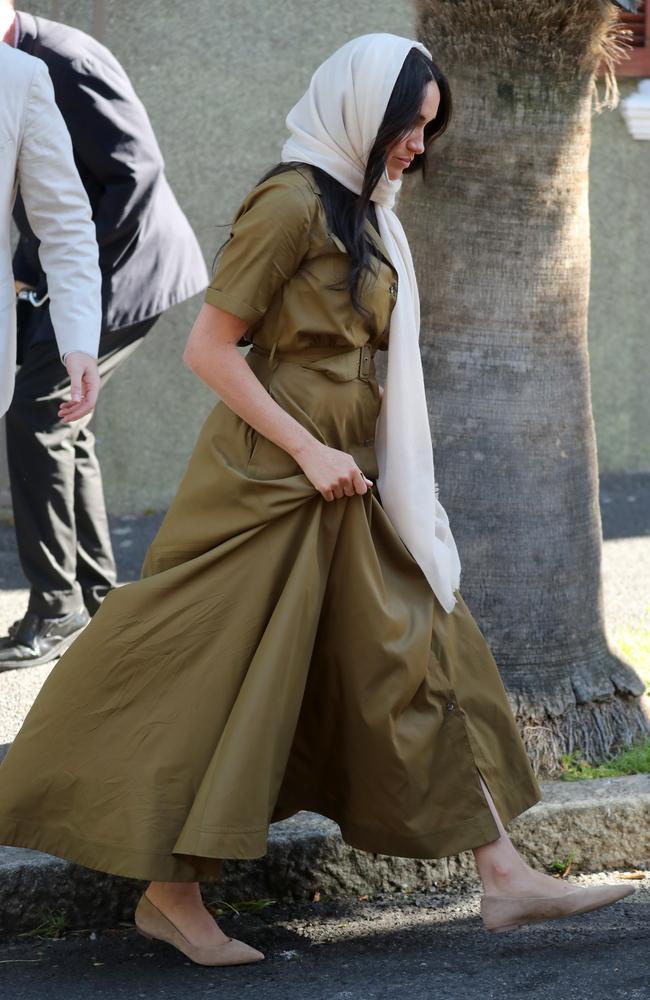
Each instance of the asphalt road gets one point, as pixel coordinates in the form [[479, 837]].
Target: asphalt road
[[412, 947]]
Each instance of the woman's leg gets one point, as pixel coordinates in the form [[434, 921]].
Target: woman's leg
[[182, 903], [504, 872]]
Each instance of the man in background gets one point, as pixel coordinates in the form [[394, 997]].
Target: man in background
[[37, 156], [150, 260]]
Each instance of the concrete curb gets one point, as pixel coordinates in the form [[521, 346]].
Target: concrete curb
[[603, 824]]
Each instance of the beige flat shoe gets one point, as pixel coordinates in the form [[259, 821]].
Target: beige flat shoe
[[152, 923], [504, 913]]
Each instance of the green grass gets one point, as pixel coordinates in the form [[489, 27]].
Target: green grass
[[632, 643], [635, 760], [52, 926], [560, 867]]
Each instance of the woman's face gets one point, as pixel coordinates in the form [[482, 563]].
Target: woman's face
[[401, 153]]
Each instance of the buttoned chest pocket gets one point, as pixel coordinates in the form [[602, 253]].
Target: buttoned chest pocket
[[334, 261], [378, 291]]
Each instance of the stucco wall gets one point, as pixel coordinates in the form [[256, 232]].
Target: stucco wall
[[217, 79], [619, 311]]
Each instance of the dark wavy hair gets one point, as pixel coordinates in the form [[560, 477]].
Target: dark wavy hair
[[345, 211]]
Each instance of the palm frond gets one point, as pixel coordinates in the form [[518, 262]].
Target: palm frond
[[569, 38]]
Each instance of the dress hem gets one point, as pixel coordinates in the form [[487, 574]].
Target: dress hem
[[181, 867]]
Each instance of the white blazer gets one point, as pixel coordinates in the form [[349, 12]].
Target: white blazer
[[36, 154]]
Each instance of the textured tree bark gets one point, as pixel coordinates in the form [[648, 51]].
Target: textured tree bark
[[500, 236]]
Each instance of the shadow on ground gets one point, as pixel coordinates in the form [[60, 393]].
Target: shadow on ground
[[423, 946]]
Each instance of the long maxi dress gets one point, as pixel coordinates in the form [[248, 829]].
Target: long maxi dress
[[280, 652]]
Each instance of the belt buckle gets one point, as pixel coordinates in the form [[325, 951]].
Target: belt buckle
[[365, 357]]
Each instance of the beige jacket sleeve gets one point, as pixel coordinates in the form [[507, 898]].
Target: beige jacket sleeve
[[59, 212]]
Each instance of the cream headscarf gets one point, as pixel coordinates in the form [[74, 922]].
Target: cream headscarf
[[334, 126]]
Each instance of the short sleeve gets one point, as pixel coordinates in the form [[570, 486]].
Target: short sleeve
[[269, 239]]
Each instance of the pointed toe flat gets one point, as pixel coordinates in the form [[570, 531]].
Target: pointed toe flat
[[153, 924], [505, 913]]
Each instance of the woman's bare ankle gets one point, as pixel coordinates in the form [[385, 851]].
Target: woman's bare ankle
[[505, 875], [182, 903], [502, 869], [500, 866], [174, 893]]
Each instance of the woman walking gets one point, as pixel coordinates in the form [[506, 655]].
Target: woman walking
[[298, 639]]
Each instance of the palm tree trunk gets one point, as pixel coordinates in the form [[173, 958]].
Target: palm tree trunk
[[500, 234]]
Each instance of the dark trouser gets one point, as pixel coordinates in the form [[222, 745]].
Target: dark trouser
[[56, 483]]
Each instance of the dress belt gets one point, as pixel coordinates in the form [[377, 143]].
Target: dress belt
[[355, 362]]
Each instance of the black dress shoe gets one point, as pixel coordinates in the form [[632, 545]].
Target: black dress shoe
[[36, 640]]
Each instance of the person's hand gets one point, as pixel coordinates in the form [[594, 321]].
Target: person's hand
[[333, 473], [84, 386]]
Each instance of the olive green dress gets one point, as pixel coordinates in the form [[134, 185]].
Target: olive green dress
[[280, 652]]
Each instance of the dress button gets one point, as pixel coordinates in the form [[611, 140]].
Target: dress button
[[451, 705], [393, 289]]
